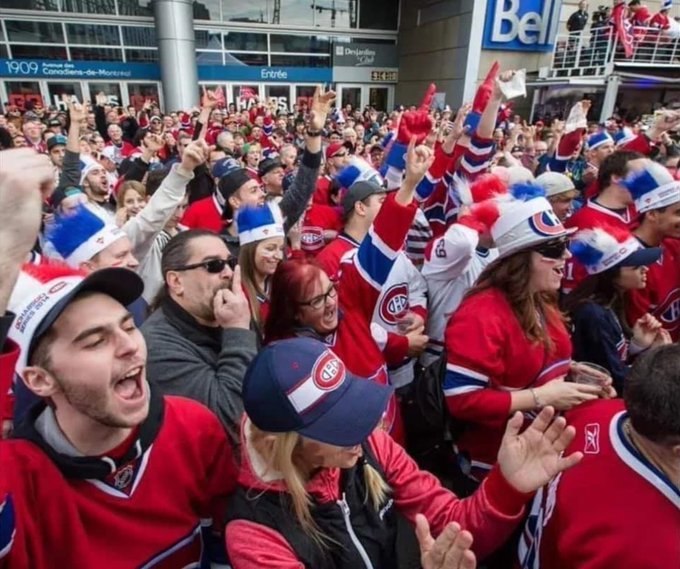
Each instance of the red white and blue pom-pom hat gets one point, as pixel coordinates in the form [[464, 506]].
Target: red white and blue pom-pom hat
[[602, 248], [43, 291], [653, 187], [526, 219]]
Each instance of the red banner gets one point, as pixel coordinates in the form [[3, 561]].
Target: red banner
[[624, 31]]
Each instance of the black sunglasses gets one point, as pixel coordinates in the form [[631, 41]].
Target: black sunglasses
[[552, 249], [212, 266]]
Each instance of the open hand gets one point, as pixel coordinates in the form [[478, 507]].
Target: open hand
[[451, 550], [645, 330], [76, 112], [531, 459], [321, 106]]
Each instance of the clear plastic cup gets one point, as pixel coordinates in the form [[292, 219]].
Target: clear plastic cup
[[589, 374]]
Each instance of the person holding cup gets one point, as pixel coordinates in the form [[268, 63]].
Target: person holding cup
[[617, 264]]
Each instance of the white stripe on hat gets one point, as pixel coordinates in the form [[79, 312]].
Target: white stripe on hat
[[95, 244], [260, 233], [516, 214], [663, 196], [328, 373], [625, 250], [35, 302]]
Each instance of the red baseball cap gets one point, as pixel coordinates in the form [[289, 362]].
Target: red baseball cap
[[334, 148]]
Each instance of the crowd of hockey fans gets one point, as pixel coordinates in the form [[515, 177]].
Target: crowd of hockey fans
[[339, 337]]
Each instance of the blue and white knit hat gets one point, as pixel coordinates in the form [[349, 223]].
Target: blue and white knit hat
[[598, 139], [80, 236], [666, 5], [624, 136], [258, 223], [357, 170], [652, 187], [602, 248], [87, 165], [526, 218]]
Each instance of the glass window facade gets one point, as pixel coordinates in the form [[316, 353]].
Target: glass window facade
[[96, 54], [139, 36], [21, 92], [280, 60], [34, 32], [92, 34], [237, 41], [141, 55], [89, 6], [38, 52], [208, 39], [299, 44]]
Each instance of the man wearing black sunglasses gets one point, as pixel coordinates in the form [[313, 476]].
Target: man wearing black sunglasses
[[199, 337]]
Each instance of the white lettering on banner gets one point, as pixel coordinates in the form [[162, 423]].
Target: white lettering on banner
[[529, 28], [281, 103], [63, 70], [273, 74]]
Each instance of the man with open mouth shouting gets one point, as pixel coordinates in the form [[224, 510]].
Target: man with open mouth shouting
[[104, 470]]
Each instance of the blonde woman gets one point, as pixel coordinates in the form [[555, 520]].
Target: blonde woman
[[130, 200], [320, 487]]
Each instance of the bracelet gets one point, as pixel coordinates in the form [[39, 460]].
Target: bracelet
[[313, 133], [537, 401]]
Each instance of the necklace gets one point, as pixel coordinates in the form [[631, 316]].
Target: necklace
[[628, 430]]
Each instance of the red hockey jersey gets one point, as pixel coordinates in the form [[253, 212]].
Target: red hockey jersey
[[488, 356], [149, 512], [615, 510], [360, 286], [661, 296], [205, 213]]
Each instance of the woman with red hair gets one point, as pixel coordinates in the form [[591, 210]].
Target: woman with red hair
[[305, 302]]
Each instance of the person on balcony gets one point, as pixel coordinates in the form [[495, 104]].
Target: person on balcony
[[640, 15], [579, 19]]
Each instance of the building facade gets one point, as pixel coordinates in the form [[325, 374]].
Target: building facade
[[455, 42], [135, 50]]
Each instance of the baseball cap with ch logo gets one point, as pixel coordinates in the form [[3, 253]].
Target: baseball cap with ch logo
[[300, 385]]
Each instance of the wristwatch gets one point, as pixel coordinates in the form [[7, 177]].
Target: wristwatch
[[313, 133]]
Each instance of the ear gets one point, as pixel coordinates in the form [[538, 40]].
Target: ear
[[360, 208], [88, 266], [234, 202], [174, 282], [40, 381]]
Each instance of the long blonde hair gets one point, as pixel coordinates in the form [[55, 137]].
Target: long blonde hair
[[278, 450]]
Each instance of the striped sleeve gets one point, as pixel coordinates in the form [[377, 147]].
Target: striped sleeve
[[477, 157], [565, 149], [379, 249]]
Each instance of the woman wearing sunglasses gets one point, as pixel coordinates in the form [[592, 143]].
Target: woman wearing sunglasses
[[305, 302], [507, 346], [262, 242], [616, 263], [319, 487]]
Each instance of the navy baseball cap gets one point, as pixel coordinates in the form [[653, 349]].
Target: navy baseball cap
[[301, 385], [224, 167]]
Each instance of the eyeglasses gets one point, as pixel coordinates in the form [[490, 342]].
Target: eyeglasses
[[213, 266], [320, 301], [339, 155], [552, 249]]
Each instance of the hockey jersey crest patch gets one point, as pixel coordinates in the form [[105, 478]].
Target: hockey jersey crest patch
[[394, 304]]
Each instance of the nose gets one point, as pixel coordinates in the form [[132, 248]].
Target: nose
[[567, 254], [127, 344], [132, 262]]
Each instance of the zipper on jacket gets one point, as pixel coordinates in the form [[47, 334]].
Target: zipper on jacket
[[344, 507]]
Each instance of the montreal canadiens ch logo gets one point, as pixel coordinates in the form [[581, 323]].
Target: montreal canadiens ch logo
[[394, 303], [669, 311], [546, 223], [328, 372]]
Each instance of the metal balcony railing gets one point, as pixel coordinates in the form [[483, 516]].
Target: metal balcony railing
[[594, 52]]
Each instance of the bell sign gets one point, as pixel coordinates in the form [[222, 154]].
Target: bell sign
[[521, 25]]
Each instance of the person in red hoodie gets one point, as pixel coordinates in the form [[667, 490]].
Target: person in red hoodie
[[320, 486], [337, 157]]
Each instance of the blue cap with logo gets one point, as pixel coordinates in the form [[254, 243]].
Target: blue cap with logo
[[301, 385]]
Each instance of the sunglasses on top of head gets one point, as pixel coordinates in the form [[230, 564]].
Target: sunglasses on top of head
[[213, 266], [552, 249]]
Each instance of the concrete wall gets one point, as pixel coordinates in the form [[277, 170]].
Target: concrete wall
[[434, 36]]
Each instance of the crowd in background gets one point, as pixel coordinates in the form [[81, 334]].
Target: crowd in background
[[324, 328]]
